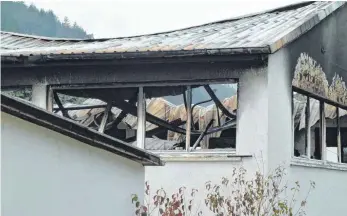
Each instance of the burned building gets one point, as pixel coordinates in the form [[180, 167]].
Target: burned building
[[270, 84]]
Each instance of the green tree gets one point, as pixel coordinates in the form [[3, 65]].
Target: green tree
[[20, 18]]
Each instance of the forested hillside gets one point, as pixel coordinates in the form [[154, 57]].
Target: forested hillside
[[20, 18]]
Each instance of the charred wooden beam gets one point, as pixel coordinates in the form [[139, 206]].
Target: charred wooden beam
[[105, 117], [60, 105], [218, 103], [231, 123], [123, 114], [185, 100], [159, 122], [206, 101], [159, 129], [80, 107], [149, 117], [202, 134]]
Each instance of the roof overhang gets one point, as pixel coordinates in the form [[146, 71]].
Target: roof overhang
[[101, 70], [198, 55], [67, 127]]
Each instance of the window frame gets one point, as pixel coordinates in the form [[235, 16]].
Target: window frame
[[322, 128], [141, 138]]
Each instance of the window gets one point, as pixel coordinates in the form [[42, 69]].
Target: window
[[319, 128], [191, 117], [300, 127], [23, 93], [173, 117], [306, 127], [113, 113]]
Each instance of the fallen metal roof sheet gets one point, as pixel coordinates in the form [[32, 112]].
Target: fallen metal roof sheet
[[269, 31]]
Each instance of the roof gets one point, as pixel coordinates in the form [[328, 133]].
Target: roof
[[260, 33], [38, 116]]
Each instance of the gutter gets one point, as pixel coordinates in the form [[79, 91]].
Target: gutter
[[247, 53]]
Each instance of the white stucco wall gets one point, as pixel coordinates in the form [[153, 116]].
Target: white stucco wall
[[252, 116], [46, 173], [280, 142], [192, 175], [328, 198]]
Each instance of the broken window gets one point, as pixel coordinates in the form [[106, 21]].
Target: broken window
[[110, 111], [300, 112], [22, 92], [306, 126], [206, 113], [166, 106], [319, 129], [173, 117], [336, 134]]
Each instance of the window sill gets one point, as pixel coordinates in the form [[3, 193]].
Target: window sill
[[318, 164], [203, 156]]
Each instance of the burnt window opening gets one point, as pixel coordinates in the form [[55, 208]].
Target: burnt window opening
[[336, 131], [24, 93], [88, 107], [300, 105], [306, 117], [319, 129], [162, 123], [213, 117]]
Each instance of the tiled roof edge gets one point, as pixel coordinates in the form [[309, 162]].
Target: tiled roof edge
[[303, 27]]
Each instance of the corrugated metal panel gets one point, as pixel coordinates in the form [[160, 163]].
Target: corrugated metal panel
[[262, 30]]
